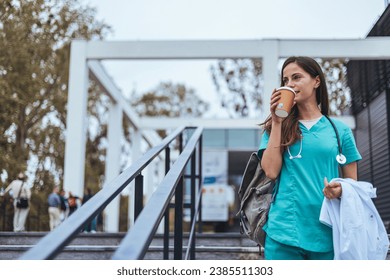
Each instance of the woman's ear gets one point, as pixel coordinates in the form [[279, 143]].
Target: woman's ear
[[317, 83]]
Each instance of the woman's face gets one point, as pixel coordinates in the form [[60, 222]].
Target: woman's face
[[301, 82]]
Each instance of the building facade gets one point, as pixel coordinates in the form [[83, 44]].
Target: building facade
[[369, 81]]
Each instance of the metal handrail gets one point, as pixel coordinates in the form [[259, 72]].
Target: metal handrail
[[53, 243], [136, 242]]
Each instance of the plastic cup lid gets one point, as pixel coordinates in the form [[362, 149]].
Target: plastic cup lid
[[287, 88]]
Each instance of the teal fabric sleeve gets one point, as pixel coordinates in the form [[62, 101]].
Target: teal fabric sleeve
[[263, 144]]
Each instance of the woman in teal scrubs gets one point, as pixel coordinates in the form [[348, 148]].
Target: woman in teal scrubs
[[300, 152]]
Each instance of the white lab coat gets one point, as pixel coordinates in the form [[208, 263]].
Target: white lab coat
[[358, 230]]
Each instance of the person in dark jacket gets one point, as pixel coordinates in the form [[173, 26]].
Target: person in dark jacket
[[91, 227]]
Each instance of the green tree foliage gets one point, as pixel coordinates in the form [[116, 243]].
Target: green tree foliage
[[239, 83], [335, 71], [35, 36], [170, 100]]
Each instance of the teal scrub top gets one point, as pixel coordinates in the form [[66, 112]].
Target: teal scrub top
[[294, 215]]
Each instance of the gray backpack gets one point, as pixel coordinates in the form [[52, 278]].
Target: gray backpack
[[255, 194]]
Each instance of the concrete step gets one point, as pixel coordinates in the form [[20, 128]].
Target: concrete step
[[32, 238], [101, 238], [100, 252], [101, 246]]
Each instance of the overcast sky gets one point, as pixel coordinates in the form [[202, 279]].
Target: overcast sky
[[221, 19]]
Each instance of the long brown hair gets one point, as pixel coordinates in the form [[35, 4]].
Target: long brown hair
[[290, 125]]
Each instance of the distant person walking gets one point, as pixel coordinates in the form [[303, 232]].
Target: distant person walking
[[54, 202], [23, 194], [91, 227], [73, 202], [64, 206]]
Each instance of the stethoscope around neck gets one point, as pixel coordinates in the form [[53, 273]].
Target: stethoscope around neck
[[340, 158]]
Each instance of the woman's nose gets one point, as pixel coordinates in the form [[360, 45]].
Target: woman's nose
[[290, 84]]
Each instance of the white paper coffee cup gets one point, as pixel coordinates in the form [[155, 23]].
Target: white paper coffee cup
[[286, 101]]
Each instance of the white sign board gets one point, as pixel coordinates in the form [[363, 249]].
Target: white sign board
[[215, 165], [215, 203]]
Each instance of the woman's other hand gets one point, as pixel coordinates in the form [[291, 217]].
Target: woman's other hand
[[332, 190]]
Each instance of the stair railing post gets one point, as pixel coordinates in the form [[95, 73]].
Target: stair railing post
[[200, 183], [180, 143], [193, 201], [178, 238], [166, 215], [138, 195]]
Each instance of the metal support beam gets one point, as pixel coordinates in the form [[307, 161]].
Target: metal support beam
[[105, 81], [76, 119], [244, 123], [135, 154], [270, 74], [99, 74], [111, 213], [368, 48]]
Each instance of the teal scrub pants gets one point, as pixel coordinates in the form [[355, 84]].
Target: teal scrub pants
[[278, 251]]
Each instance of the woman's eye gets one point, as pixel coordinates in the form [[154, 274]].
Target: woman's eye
[[296, 77]]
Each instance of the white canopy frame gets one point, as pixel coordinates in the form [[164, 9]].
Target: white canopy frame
[[84, 61]]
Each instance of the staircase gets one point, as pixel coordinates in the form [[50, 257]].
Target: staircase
[[100, 246]]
